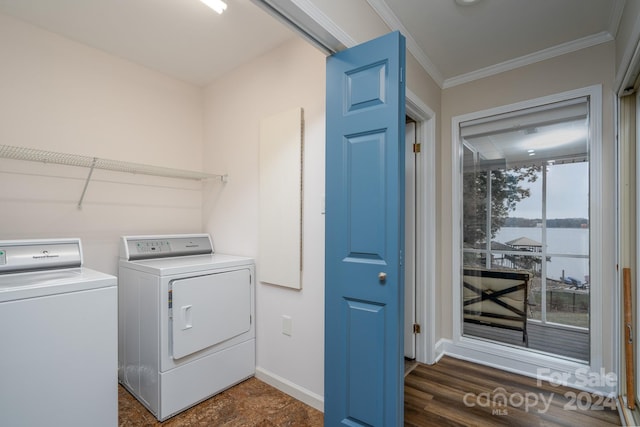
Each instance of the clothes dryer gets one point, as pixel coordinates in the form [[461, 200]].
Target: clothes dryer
[[186, 320]]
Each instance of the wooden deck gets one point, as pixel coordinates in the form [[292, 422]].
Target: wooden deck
[[564, 342]]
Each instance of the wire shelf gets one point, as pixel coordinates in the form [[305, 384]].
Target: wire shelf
[[34, 155], [43, 156]]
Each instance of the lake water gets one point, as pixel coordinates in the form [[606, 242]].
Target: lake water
[[566, 241]]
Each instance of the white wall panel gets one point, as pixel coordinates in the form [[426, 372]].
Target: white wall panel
[[280, 240]]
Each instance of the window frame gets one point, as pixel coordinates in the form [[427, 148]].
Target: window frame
[[511, 358]]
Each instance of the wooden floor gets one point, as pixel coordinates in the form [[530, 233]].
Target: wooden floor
[[572, 343], [459, 393], [449, 393]]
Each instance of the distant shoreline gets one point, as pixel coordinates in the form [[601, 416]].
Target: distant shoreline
[[551, 223]]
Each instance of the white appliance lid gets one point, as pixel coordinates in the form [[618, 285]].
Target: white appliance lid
[[35, 268], [34, 284], [186, 264]]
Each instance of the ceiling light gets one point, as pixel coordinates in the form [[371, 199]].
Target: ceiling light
[[217, 5], [466, 2], [556, 138]]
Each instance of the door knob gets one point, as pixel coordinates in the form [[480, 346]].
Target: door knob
[[382, 276]]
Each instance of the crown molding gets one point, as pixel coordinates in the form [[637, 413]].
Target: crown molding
[[523, 61], [629, 63], [616, 17], [310, 10], [392, 21], [387, 15]]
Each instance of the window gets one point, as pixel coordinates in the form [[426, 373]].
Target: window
[[525, 228]]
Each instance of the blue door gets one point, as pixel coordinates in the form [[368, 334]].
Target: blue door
[[364, 278]]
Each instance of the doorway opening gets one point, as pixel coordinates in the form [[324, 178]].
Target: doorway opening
[[420, 301]]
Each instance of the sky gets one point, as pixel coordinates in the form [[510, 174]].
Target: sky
[[567, 193]]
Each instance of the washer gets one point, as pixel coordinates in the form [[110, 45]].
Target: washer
[[186, 320], [59, 355]]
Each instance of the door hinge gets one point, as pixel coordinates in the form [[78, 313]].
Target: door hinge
[[416, 148], [416, 328]]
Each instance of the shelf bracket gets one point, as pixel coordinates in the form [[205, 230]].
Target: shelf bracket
[[86, 184]]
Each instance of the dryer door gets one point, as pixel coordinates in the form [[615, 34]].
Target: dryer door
[[209, 309]]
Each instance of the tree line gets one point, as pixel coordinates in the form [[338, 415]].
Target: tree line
[[551, 223]]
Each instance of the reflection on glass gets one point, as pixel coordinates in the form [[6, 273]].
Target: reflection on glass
[[525, 229], [474, 202]]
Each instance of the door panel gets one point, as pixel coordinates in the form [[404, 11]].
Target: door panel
[[364, 278], [366, 361], [364, 194], [209, 309]]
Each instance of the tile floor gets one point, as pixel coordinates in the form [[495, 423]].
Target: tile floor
[[248, 404]]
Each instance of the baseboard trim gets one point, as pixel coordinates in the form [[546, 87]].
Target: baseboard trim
[[302, 394], [546, 368], [441, 347]]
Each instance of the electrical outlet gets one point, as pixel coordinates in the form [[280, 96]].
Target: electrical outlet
[[287, 325]]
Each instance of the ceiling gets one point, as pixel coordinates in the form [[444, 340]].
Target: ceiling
[[187, 40], [181, 38], [467, 42]]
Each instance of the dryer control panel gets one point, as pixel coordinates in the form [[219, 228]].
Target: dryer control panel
[[152, 246], [148, 247]]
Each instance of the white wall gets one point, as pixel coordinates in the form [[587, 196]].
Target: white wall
[[58, 95], [292, 75]]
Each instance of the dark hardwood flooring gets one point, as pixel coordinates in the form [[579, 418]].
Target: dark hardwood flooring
[[449, 393], [252, 403], [458, 393]]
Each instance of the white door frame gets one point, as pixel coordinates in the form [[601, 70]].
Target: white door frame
[[425, 227], [410, 235]]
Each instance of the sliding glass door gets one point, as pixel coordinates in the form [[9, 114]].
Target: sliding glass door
[[525, 228]]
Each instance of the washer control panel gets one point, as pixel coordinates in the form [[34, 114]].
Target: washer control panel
[[46, 254]]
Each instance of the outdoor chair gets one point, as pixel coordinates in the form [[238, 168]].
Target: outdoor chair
[[497, 298]]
